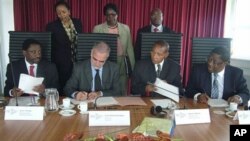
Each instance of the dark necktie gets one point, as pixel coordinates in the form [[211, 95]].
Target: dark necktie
[[215, 87], [158, 72], [156, 29], [31, 71], [98, 84]]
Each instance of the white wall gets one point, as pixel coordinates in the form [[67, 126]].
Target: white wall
[[7, 24]]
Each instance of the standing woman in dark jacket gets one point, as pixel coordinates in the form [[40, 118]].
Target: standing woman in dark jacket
[[64, 40]]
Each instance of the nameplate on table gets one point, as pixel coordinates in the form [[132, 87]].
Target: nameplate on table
[[109, 118], [24, 113], [244, 117], [192, 116]]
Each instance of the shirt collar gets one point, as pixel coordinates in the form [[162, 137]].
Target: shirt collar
[[160, 28]]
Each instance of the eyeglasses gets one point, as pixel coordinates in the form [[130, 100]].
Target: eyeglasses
[[98, 60], [215, 62]]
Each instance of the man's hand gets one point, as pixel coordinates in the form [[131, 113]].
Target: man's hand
[[150, 88], [80, 96], [16, 92], [39, 88], [94, 95], [235, 99], [202, 98]]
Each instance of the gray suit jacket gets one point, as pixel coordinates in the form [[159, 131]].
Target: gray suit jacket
[[81, 79]]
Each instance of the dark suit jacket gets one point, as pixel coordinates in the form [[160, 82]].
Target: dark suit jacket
[[146, 29], [144, 72], [234, 82], [81, 79], [44, 69], [61, 50]]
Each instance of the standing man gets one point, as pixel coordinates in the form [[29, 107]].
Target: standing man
[[217, 79], [94, 77], [124, 42], [159, 66], [156, 18], [32, 64]]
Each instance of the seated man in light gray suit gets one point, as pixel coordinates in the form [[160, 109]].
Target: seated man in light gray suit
[[94, 77]]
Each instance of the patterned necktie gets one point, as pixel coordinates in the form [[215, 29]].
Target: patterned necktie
[[31, 70], [158, 72], [156, 29], [98, 84], [215, 87]]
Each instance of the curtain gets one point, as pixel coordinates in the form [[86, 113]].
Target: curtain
[[192, 18]]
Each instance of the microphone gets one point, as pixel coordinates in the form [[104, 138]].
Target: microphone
[[182, 96], [13, 76]]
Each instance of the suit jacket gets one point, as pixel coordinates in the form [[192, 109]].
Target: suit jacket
[[81, 79], [144, 72], [234, 82], [125, 37], [61, 48], [44, 69], [146, 29]]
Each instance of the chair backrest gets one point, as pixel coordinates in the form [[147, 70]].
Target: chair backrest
[[201, 47], [86, 41], [16, 42], [174, 40]]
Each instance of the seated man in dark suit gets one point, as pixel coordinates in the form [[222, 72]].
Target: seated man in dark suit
[[94, 77], [156, 18], [217, 79], [32, 64], [159, 66]]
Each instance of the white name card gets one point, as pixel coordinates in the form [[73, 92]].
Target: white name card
[[192, 116], [24, 113], [109, 118], [244, 117]]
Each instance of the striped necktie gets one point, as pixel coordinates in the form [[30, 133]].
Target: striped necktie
[[215, 87]]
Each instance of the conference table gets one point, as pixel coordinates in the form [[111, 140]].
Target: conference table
[[54, 126]]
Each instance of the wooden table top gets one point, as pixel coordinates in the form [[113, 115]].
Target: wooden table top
[[54, 126]]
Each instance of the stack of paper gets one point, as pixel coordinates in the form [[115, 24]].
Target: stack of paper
[[150, 125]]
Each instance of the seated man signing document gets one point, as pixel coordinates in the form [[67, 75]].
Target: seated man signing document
[[94, 77], [217, 79], [33, 65]]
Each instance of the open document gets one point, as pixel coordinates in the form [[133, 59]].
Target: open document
[[27, 83], [167, 90]]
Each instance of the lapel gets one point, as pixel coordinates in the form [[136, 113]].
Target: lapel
[[40, 70], [164, 70], [151, 72], [23, 67], [105, 74], [227, 80], [89, 73]]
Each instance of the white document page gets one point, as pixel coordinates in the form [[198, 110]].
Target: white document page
[[24, 101], [106, 101], [27, 83], [167, 90]]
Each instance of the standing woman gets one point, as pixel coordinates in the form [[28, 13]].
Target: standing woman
[[124, 44], [64, 40]]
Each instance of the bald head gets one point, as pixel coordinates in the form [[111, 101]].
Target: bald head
[[156, 17]]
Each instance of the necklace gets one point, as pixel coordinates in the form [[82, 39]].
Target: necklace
[[113, 27]]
